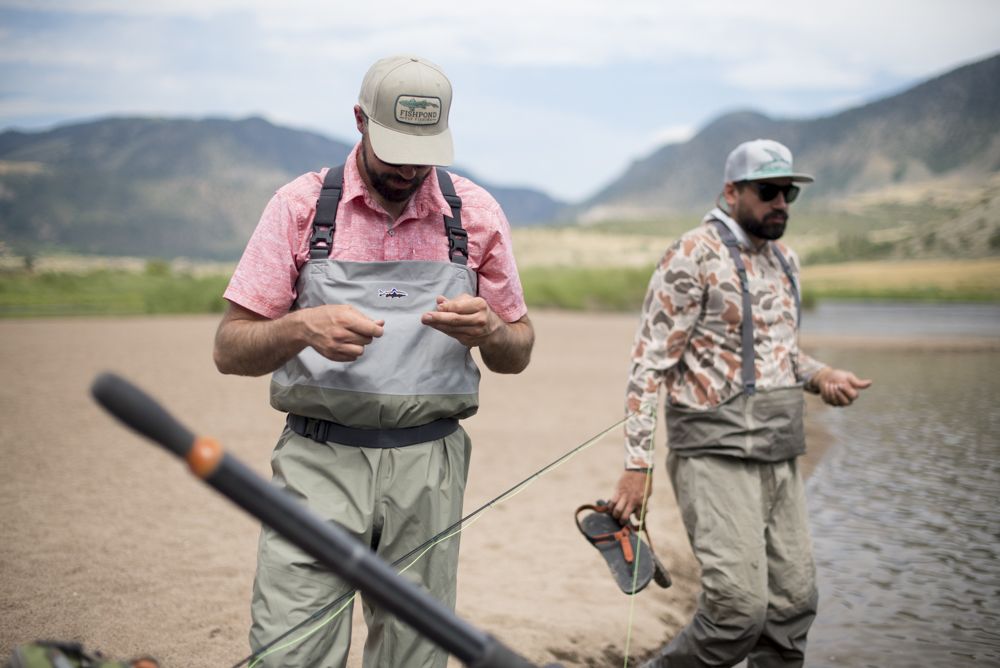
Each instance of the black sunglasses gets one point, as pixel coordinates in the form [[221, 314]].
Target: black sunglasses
[[768, 191]]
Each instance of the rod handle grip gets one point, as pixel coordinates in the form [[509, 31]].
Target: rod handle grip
[[141, 413]]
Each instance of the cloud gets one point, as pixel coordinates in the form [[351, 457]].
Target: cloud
[[838, 42], [672, 134], [582, 86], [776, 72]]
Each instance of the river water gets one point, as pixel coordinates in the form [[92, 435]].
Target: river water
[[905, 508]]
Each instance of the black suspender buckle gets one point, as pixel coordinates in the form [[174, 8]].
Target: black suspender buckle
[[458, 238], [324, 222], [321, 240], [458, 242]]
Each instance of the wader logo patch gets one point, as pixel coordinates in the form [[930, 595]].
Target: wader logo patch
[[392, 294], [416, 110]]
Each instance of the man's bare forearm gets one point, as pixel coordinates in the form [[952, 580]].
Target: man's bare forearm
[[249, 345], [509, 349]]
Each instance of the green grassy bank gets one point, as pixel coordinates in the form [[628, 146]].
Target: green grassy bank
[[156, 289], [109, 292]]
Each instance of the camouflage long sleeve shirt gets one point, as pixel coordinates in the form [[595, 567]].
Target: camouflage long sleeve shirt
[[688, 339]]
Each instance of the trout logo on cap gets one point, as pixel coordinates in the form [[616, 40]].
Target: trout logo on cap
[[778, 164], [415, 110]]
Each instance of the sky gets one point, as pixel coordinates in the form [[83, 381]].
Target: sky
[[559, 95]]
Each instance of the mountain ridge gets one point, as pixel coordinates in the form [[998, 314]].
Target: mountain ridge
[[946, 124], [168, 186], [194, 187]]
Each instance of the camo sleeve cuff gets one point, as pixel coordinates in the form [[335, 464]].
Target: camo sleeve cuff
[[807, 368]]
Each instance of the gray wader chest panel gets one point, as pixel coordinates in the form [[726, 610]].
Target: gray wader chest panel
[[413, 374]]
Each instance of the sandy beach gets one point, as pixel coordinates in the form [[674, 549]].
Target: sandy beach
[[109, 541]]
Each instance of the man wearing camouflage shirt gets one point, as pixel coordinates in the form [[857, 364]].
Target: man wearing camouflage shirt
[[719, 330]]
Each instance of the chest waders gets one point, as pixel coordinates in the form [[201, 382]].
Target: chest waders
[[412, 384], [761, 424]]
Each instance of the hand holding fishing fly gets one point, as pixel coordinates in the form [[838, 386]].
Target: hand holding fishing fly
[[468, 319], [250, 344], [338, 332], [505, 346]]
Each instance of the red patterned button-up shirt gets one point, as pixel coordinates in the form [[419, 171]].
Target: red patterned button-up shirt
[[265, 278]]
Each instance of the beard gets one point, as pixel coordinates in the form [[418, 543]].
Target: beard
[[381, 183], [770, 227]]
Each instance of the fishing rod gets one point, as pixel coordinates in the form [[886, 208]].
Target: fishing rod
[[327, 542]]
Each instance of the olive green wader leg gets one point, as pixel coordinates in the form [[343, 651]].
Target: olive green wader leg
[[746, 521], [391, 499]]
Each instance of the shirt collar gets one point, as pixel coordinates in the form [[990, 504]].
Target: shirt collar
[[353, 185], [741, 235]]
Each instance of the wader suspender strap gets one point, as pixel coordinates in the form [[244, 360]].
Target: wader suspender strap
[[746, 327], [787, 268], [458, 238], [325, 221]]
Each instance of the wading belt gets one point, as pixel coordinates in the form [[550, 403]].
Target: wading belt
[[324, 431], [748, 374], [325, 221]]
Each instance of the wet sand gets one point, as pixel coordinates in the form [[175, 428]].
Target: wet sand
[[109, 541]]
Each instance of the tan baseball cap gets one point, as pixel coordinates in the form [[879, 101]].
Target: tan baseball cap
[[761, 159], [407, 100]]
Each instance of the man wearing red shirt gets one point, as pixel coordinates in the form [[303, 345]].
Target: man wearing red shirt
[[363, 289]]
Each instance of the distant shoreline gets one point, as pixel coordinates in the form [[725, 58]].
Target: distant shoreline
[[77, 285], [936, 343]]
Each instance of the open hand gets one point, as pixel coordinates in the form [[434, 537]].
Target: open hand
[[838, 387]]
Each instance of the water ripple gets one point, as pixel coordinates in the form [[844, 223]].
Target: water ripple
[[905, 514]]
